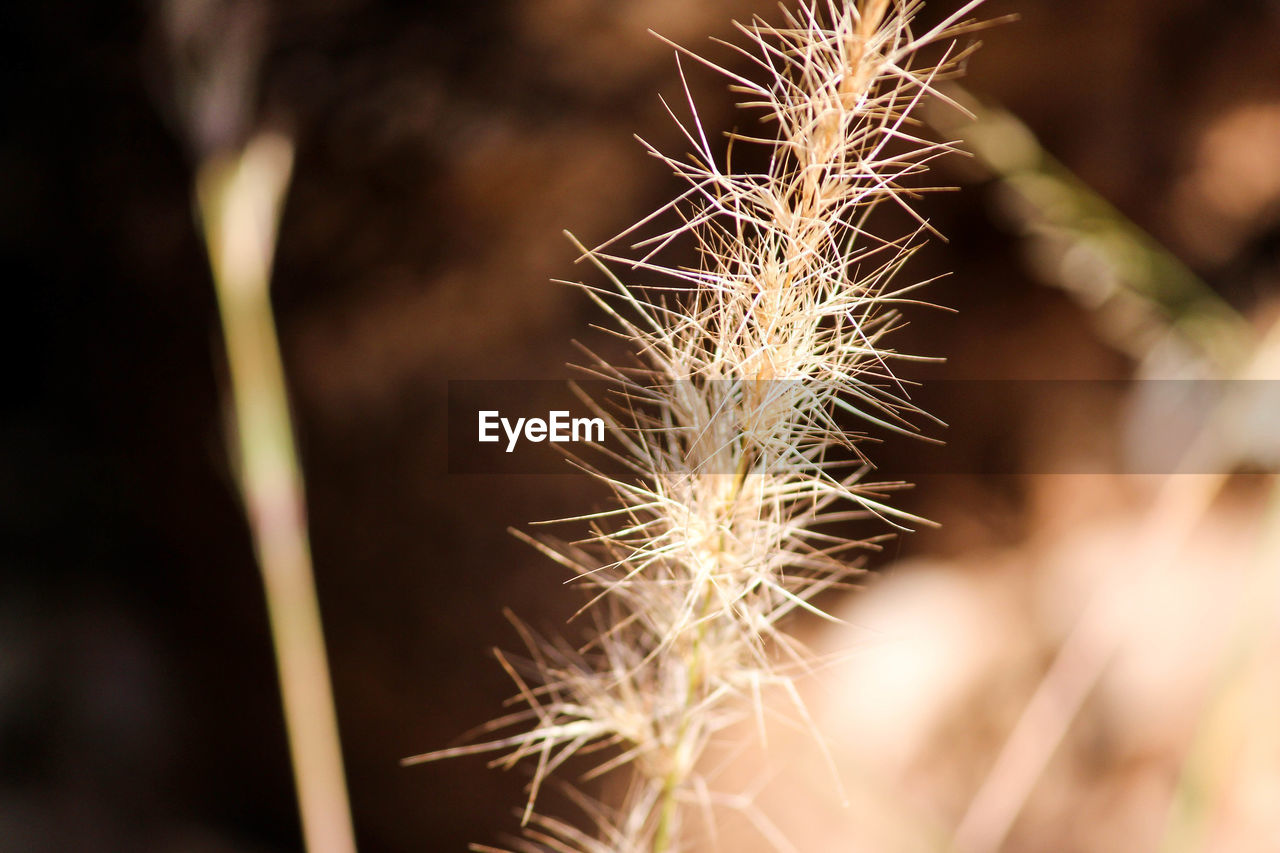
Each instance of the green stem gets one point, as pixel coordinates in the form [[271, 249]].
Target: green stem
[[239, 200], [669, 798]]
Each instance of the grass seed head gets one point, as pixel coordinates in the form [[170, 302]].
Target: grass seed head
[[750, 360]]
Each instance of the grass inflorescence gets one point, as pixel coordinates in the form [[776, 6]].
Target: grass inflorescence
[[733, 459]]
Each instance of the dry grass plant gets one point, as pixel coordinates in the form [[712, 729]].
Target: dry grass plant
[[729, 434]]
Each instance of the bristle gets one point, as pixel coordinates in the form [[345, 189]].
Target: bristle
[[750, 360]]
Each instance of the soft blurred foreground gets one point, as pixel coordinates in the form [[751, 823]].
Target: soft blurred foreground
[[1083, 661], [1175, 747]]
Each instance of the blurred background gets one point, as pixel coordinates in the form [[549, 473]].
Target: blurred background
[[1121, 220]]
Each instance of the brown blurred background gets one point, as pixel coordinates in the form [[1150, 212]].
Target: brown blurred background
[[441, 150]]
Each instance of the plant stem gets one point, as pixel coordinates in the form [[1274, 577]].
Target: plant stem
[[675, 777], [239, 199]]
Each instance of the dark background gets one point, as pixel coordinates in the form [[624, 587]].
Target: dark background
[[441, 149]]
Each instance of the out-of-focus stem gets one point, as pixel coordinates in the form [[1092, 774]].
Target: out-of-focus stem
[[1202, 784], [1080, 662], [1139, 292], [239, 197], [1181, 503]]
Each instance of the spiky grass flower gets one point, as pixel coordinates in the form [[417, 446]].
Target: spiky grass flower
[[729, 432]]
